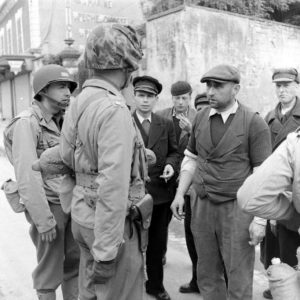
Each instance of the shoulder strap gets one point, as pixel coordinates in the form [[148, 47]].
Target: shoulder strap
[[80, 112], [85, 105]]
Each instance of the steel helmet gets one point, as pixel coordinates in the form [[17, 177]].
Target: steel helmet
[[112, 46], [50, 74]]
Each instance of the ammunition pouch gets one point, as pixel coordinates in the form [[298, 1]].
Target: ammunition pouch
[[140, 214], [10, 189]]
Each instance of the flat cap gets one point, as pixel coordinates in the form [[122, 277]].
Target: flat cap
[[180, 88], [201, 98], [285, 75], [147, 84], [222, 73]]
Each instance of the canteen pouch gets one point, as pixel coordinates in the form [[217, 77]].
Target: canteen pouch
[[141, 214], [10, 189]]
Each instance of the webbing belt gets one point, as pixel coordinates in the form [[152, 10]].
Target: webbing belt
[[86, 180]]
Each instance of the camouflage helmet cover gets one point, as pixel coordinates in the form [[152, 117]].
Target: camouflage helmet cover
[[112, 46]]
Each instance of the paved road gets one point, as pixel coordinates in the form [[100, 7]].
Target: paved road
[[17, 256]]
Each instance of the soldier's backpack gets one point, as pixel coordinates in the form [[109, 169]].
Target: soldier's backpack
[[10, 187]]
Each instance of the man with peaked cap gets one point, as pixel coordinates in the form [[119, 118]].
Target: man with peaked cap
[[182, 115], [228, 141], [159, 136], [99, 142], [282, 238], [201, 101], [26, 137]]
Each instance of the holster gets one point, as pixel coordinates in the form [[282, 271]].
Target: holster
[[140, 214], [10, 189]]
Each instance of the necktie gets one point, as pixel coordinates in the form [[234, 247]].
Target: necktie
[[146, 126]]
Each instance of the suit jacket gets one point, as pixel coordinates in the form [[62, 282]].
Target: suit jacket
[[184, 136], [162, 141], [280, 131]]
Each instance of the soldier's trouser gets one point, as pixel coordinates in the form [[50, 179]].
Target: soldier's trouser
[[221, 233], [58, 261], [127, 284]]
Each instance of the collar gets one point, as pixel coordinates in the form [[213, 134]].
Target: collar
[[100, 83], [141, 118], [41, 112], [185, 113], [225, 114], [286, 111]]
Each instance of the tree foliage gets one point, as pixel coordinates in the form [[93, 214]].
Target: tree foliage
[[278, 10], [259, 8]]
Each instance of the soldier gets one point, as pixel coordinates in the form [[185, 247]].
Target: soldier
[[26, 137], [201, 101], [182, 116], [227, 142], [159, 136], [98, 142], [282, 240], [277, 184]]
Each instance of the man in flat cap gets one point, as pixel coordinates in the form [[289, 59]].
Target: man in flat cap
[[282, 238], [201, 101], [159, 136], [182, 115], [228, 141]]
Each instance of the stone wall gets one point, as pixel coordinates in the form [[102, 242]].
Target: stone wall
[[184, 44]]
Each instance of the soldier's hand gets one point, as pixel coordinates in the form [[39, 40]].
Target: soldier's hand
[[49, 235], [257, 233], [168, 172], [177, 207], [151, 157], [102, 271]]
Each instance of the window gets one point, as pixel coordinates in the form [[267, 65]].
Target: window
[[2, 49], [9, 39], [19, 31], [108, 3]]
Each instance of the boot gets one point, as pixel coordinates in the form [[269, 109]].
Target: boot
[[70, 289], [46, 296]]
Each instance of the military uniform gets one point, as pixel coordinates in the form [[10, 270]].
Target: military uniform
[[104, 156], [98, 141], [30, 133], [277, 182]]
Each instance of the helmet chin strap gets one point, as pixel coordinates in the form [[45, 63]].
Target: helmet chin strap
[[128, 79], [58, 104]]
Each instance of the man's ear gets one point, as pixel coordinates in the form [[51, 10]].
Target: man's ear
[[236, 88]]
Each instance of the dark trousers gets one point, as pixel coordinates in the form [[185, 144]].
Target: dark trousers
[[189, 238], [158, 234], [283, 246], [269, 247], [288, 241]]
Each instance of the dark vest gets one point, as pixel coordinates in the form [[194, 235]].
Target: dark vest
[[221, 170]]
